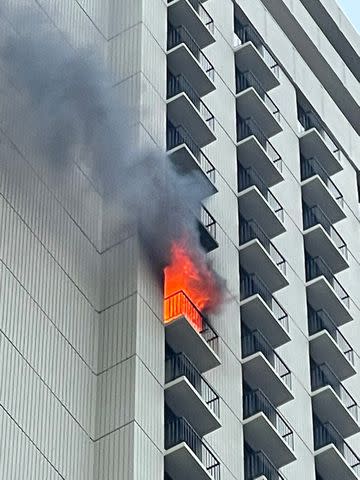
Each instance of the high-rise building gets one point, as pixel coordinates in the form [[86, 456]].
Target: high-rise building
[[105, 377]]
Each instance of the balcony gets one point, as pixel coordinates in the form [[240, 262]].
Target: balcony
[[189, 395], [259, 467], [188, 157], [332, 402], [261, 311], [252, 55], [184, 107], [258, 203], [324, 292], [255, 150], [321, 238], [194, 16], [263, 368], [328, 345], [265, 429], [334, 458], [207, 228], [187, 331], [260, 256], [253, 101], [319, 189], [315, 142], [187, 455], [184, 56]]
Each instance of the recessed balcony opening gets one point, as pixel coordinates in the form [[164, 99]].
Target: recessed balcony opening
[[259, 466]]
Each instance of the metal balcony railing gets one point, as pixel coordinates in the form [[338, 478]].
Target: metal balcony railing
[[320, 320], [315, 216], [253, 342], [246, 80], [179, 365], [255, 402], [251, 284], [257, 464], [178, 431], [203, 14], [311, 167], [250, 230], [322, 376], [326, 434], [208, 221], [176, 136], [316, 267], [247, 33], [178, 35], [248, 177]]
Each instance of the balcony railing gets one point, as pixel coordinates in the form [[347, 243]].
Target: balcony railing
[[178, 84], [315, 216], [178, 35], [248, 177], [316, 267], [251, 284], [246, 80], [320, 320], [258, 464], [208, 221], [247, 33], [255, 402], [311, 167], [250, 230], [176, 136], [179, 365], [253, 342], [326, 434], [203, 14], [322, 376], [178, 431]]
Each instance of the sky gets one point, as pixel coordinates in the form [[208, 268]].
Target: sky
[[352, 10]]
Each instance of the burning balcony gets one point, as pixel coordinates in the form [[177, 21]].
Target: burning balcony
[[332, 402], [187, 455], [252, 55], [207, 227], [321, 238], [265, 429], [263, 368], [184, 107], [259, 467], [334, 458], [253, 101], [195, 18], [318, 189], [255, 150], [261, 311], [184, 56], [189, 395], [260, 256], [258, 203], [328, 345], [324, 292]]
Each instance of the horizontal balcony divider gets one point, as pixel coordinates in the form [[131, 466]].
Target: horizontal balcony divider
[[179, 365], [256, 402], [178, 431], [320, 320], [178, 35], [250, 230], [258, 464]]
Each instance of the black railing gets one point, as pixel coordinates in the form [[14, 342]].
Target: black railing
[[179, 84], [326, 434], [179, 365], [316, 267], [248, 177], [311, 167], [250, 230], [257, 464], [208, 221], [255, 402], [253, 342], [251, 284], [320, 320], [178, 35], [178, 431], [315, 216], [176, 136]]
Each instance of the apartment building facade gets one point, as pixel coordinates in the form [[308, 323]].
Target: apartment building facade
[[103, 375]]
